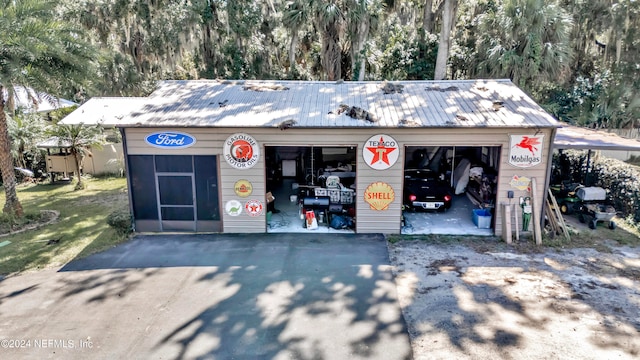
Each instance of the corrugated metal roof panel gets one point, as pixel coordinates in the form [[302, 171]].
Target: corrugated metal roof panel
[[573, 137], [105, 110], [316, 104]]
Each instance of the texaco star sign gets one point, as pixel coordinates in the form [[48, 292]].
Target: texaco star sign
[[380, 152]]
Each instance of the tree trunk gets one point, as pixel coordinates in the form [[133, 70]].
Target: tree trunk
[[78, 161], [12, 204], [211, 39], [293, 45], [448, 16], [427, 17], [331, 54], [358, 58], [362, 71]]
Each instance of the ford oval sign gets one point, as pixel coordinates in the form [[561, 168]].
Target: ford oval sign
[[170, 140]]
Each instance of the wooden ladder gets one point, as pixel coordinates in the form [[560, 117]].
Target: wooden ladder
[[554, 215]]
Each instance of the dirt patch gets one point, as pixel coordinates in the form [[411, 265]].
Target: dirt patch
[[473, 301]]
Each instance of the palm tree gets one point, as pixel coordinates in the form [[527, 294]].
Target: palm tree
[[329, 19], [26, 130], [294, 17], [363, 16], [79, 139], [526, 41], [37, 51]]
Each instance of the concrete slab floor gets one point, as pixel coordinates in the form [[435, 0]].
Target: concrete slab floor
[[266, 296]]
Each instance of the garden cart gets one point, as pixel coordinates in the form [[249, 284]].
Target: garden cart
[[593, 209]]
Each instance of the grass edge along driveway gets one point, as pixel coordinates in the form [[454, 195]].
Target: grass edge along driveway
[[81, 228]]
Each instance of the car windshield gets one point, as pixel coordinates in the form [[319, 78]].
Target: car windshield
[[422, 175]]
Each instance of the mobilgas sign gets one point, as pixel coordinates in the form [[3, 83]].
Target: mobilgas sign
[[170, 140], [526, 150]]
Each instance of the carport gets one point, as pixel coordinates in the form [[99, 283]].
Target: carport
[[565, 183], [578, 138], [573, 137]]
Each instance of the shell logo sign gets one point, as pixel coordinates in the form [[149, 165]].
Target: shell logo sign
[[379, 195], [241, 151], [380, 152]]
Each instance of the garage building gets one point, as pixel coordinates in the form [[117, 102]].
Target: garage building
[[209, 156]]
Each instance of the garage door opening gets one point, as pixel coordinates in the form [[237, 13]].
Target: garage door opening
[[449, 190], [311, 182]]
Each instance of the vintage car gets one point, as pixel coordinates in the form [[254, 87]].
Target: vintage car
[[424, 189]]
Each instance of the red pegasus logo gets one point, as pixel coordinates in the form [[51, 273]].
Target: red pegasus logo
[[528, 144]]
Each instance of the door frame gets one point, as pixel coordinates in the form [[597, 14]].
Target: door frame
[[177, 225]]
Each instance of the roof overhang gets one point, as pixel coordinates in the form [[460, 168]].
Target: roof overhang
[[53, 142], [33, 101], [573, 137], [105, 111]]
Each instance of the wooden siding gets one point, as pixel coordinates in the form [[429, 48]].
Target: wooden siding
[[210, 142]]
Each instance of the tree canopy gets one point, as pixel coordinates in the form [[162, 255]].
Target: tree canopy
[[573, 56], [40, 50]]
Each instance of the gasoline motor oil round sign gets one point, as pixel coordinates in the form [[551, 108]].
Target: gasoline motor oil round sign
[[233, 207], [253, 207], [241, 151], [380, 152]]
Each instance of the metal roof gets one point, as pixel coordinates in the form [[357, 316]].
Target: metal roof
[[107, 111], [315, 104], [53, 142], [573, 137], [34, 101]]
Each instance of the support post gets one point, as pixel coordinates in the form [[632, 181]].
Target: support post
[[536, 211], [506, 221]]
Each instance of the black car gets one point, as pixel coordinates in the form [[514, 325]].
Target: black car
[[424, 189]]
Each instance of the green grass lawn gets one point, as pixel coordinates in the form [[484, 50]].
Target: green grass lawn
[[81, 227]]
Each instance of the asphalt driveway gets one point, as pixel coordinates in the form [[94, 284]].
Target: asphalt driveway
[[267, 296]]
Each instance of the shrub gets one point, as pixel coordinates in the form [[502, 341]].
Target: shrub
[[120, 220], [10, 222]]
